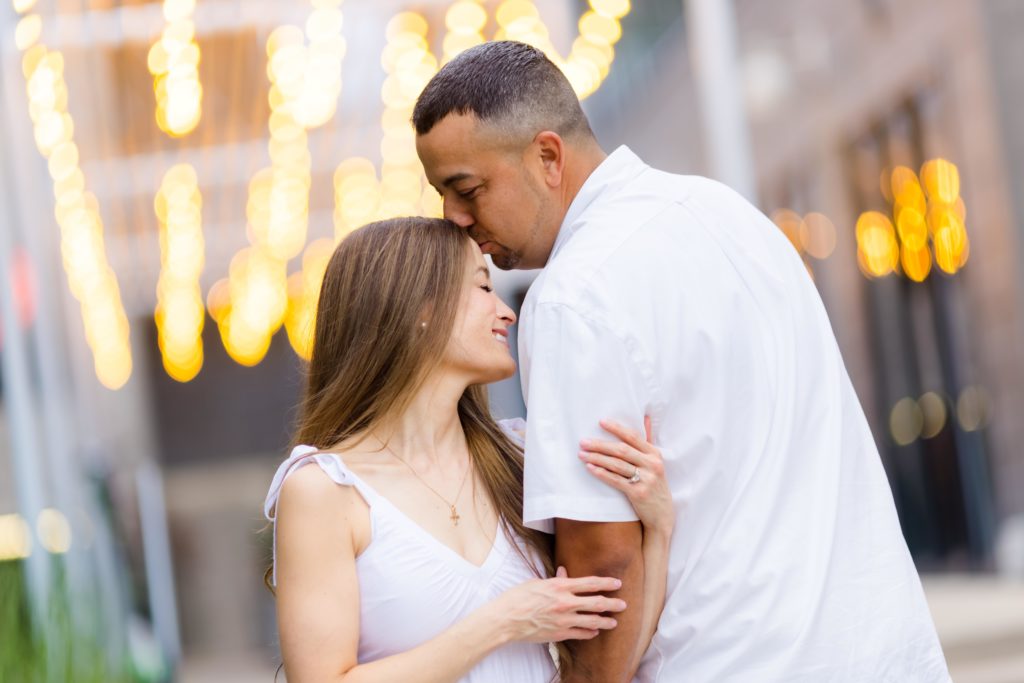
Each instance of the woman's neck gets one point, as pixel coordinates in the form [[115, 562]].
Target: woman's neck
[[428, 433]]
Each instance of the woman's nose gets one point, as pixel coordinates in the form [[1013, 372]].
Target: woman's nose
[[506, 313]]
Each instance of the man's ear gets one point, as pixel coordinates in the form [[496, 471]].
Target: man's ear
[[550, 149]]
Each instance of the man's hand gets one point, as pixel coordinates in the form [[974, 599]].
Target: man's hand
[[605, 549]]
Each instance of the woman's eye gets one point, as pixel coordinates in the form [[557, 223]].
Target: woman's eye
[[487, 288]]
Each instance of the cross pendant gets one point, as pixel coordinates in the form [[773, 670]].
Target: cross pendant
[[454, 517]]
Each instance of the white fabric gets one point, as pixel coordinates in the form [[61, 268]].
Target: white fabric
[[412, 587], [672, 296]]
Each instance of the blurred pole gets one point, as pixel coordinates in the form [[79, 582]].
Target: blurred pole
[[713, 51], [91, 561], [156, 547], [19, 403], [55, 392]]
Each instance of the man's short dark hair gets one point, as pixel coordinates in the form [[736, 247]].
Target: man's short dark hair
[[509, 85]]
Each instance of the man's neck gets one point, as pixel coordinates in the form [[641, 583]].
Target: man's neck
[[578, 169]]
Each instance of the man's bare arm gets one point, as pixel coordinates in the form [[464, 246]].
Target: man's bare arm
[[605, 549]]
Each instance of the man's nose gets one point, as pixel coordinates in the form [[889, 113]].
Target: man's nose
[[457, 215]]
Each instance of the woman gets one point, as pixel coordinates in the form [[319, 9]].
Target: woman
[[403, 556]]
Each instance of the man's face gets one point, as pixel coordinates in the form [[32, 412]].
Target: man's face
[[496, 193]]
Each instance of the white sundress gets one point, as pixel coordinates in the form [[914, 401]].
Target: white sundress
[[412, 587]]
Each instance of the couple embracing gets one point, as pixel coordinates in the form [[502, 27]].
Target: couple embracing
[[696, 495]]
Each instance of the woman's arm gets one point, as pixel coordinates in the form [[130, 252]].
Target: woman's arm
[[318, 600], [615, 462]]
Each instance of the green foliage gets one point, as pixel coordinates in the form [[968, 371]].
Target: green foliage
[[59, 650]]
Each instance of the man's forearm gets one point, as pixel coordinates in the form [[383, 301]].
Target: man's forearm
[[605, 549]]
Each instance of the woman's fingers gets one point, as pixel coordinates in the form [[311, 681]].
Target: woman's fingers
[[648, 430], [613, 479], [614, 464], [624, 433], [614, 449]]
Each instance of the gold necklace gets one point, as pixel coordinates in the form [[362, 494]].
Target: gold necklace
[[454, 516]]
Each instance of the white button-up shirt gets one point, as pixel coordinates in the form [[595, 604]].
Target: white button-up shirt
[[673, 297]]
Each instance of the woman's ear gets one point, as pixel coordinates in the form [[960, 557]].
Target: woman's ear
[[550, 150]]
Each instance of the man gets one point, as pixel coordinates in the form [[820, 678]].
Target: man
[[671, 296]]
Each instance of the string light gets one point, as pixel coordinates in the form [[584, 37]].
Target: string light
[[877, 249], [303, 294], [356, 195], [90, 278], [927, 211], [15, 538], [54, 530], [410, 66], [593, 51], [179, 311], [173, 60], [304, 68], [465, 21]]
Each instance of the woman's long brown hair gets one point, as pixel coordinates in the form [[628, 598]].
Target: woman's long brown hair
[[371, 353]]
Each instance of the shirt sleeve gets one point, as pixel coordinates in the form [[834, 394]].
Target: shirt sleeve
[[579, 373]]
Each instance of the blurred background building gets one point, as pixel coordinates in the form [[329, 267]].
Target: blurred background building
[[175, 174]]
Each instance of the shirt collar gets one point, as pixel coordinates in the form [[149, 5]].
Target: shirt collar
[[618, 167]]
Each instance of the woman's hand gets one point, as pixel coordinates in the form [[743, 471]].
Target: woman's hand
[[556, 609], [635, 467]]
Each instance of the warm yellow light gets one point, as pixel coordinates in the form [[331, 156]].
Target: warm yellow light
[[917, 263], [454, 43], [973, 408], [15, 538], [877, 249], [113, 371], [324, 24], [26, 33], [406, 22], [907, 192], [818, 235], [512, 11], [187, 369], [54, 530], [941, 180], [465, 16], [615, 9], [933, 410], [22, 6], [906, 421], [912, 229], [949, 237], [791, 225], [600, 28]]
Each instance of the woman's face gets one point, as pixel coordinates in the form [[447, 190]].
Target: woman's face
[[479, 343]]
